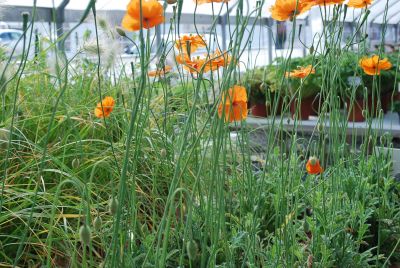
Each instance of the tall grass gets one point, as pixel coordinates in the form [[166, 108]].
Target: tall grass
[[165, 182]]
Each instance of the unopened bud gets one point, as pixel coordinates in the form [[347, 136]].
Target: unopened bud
[[312, 49], [84, 234], [113, 206], [191, 248], [120, 31], [75, 163]]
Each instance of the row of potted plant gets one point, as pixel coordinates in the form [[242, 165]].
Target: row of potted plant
[[271, 91]]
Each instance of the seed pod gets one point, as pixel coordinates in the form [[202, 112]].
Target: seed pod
[[75, 163], [312, 49], [171, 2], [191, 248], [163, 153], [113, 206], [84, 234], [120, 31], [97, 223]]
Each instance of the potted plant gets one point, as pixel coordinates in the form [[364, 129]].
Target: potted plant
[[360, 86], [257, 87], [355, 92], [303, 90]]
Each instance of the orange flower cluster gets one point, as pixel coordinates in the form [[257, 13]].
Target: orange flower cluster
[[200, 2], [287, 9], [233, 105], [313, 167], [301, 72], [283, 10], [152, 15], [160, 72], [193, 41], [323, 2], [104, 108], [208, 63], [359, 3], [374, 65]]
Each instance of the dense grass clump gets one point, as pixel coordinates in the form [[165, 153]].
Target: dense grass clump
[[164, 179]]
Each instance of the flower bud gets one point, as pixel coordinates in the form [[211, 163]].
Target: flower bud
[[75, 163], [171, 2], [84, 234], [113, 206], [191, 248], [312, 49], [120, 31]]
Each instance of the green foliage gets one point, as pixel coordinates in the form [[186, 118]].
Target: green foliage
[[164, 182]]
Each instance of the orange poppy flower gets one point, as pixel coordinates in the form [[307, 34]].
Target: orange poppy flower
[[152, 15], [374, 65], [209, 63], [301, 72], [313, 167], [182, 58], [287, 9], [233, 104], [105, 107], [195, 65], [194, 41], [322, 2], [219, 59], [160, 72], [359, 3], [200, 2]]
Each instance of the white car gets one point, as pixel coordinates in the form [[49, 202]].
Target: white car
[[8, 40]]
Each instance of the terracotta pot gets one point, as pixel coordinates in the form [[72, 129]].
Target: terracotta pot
[[355, 114], [306, 108], [259, 110]]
